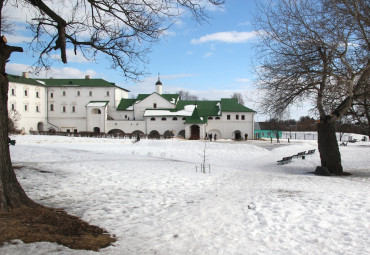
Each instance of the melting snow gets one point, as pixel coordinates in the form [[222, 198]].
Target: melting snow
[[150, 196]]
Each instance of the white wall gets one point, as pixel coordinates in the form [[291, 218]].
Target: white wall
[[140, 107], [77, 97], [125, 126], [27, 105], [227, 127], [165, 125], [118, 95], [120, 115]]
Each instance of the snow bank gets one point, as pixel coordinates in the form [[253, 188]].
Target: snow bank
[[149, 195]]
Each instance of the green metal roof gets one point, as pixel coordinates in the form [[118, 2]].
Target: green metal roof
[[142, 97], [195, 118], [204, 108], [63, 82], [77, 82], [20, 79], [125, 103], [232, 105], [168, 97], [105, 103]]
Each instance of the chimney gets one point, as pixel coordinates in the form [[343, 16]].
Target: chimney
[[87, 77], [25, 75]]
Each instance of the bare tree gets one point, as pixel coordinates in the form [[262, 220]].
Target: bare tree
[[121, 30], [185, 95], [314, 50], [239, 97], [13, 118], [360, 110]]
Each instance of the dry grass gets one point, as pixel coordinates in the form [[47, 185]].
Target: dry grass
[[51, 225]]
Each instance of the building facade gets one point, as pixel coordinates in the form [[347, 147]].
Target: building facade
[[96, 105]]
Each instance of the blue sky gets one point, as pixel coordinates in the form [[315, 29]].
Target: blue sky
[[211, 60]]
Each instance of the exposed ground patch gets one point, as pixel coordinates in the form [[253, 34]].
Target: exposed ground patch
[[51, 225]]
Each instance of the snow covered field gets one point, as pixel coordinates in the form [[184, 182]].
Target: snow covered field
[[149, 195]]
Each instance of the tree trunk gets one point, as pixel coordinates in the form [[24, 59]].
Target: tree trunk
[[328, 147], [12, 194]]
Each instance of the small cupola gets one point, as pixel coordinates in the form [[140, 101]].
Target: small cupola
[[158, 86], [158, 83]]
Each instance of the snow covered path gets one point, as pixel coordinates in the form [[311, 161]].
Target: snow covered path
[[149, 195]]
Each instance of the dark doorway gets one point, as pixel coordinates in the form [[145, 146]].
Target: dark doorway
[[154, 134], [238, 135], [40, 126], [96, 130], [194, 132], [168, 134], [182, 133], [116, 132]]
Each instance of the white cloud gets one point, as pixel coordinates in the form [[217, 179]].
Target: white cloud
[[228, 37], [242, 80], [15, 39], [208, 54], [246, 23], [71, 57], [65, 72], [17, 69]]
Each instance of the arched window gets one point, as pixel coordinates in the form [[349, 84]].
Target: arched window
[[51, 107], [164, 119], [217, 118], [152, 119], [183, 118], [174, 118], [96, 111], [210, 118]]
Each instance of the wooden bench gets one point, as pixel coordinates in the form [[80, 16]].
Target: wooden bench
[[300, 154], [285, 160], [311, 152]]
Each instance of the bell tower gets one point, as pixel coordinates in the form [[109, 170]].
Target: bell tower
[[158, 86]]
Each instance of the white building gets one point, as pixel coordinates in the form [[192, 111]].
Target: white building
[[95, 105]]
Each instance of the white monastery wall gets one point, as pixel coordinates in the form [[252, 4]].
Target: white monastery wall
[[29, 102], [150, 102]]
